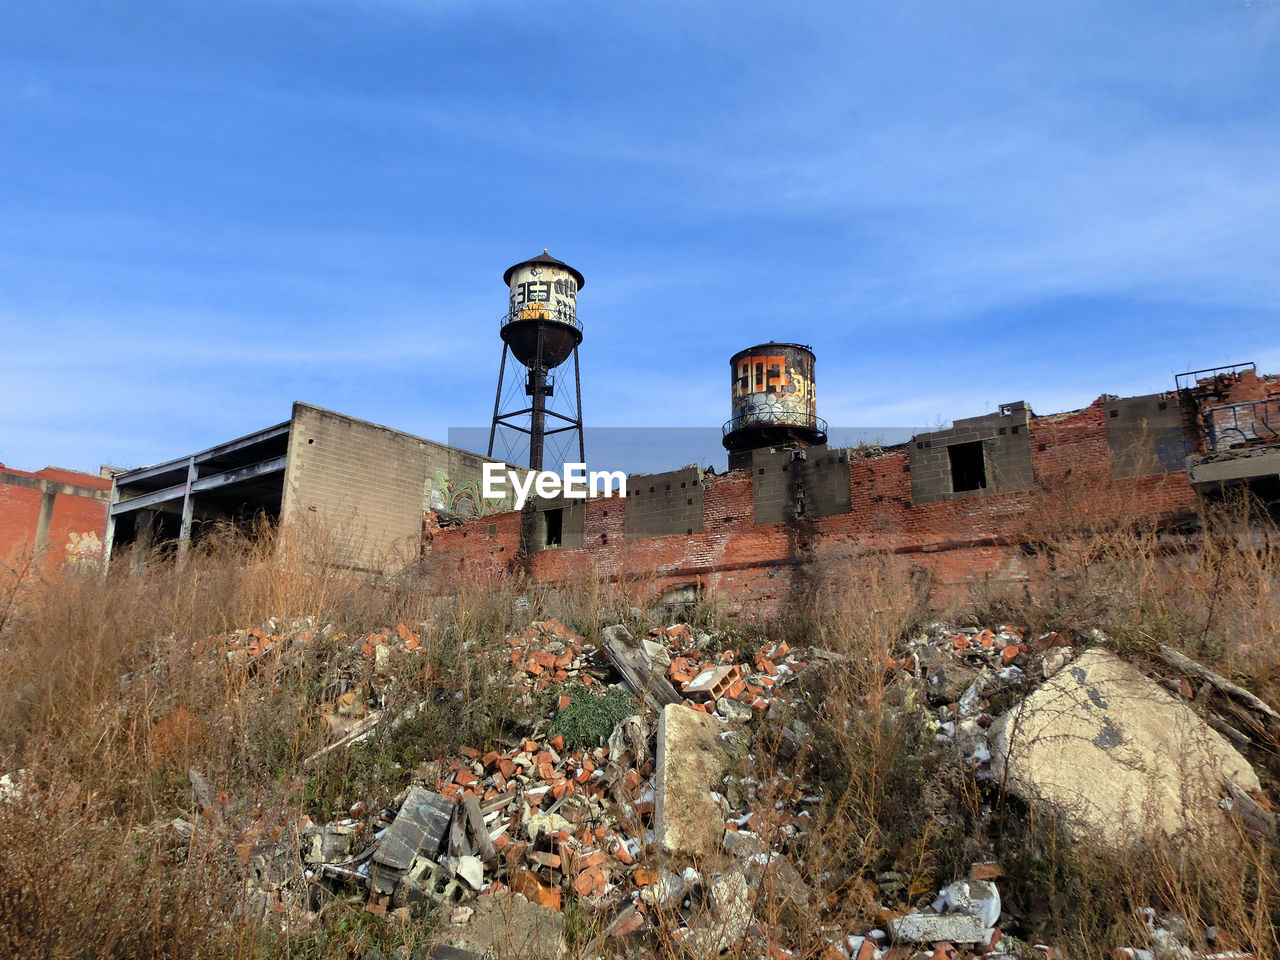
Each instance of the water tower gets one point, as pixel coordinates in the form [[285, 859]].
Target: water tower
[[775, 403], [541, 330]]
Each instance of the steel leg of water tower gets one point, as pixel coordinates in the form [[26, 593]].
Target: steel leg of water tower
[[497, 400], [577, 385], [537, 424]]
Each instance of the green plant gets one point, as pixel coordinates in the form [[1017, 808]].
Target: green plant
[[590, 717]]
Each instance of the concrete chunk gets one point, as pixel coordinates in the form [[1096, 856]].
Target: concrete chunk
[[508, 925], [713, 682], [931, 927], [691, 761], [1116, 754], [419, 827]]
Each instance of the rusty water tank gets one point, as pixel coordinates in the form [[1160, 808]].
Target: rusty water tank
[[774, 399]]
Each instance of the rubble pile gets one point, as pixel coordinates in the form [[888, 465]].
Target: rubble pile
[[656, 824], [546, 819]]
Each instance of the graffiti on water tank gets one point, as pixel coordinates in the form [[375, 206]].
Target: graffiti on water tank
[[540, 292], [773, 386]]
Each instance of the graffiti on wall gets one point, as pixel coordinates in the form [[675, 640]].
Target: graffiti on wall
[[84, 550], [459, 498]]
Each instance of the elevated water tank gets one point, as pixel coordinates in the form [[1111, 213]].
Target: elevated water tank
[[774, 400]]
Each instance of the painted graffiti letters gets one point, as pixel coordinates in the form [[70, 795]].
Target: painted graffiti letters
[[540, 291], [763, 374]]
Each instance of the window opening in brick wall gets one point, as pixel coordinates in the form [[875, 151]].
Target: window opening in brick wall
[[555, 526], [968, 467]]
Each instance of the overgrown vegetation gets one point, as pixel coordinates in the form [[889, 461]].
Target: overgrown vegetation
[[113, 688], [590, 717]]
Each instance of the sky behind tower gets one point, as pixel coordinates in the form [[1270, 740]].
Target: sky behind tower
[[208, 211]]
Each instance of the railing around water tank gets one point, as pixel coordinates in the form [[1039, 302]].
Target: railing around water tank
[[774, 418], [535, 313]]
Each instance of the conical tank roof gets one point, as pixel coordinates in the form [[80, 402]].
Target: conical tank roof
[[547, 258]]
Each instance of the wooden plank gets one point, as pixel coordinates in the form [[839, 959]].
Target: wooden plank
[[629, 658], [480, 832], [498, 802], [1254, 818], [1220, 683]]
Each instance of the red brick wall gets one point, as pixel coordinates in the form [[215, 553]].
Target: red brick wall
[[77, 522], [961, 542]]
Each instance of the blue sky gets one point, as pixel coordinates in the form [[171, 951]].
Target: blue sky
[[208, 211]]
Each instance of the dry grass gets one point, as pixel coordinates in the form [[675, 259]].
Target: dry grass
[[89, 867]]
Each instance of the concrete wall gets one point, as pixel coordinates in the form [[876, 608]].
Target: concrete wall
[[799, 485], [59, 514], [660, 504], [1145, 435], [372, 486], [573, 515], [1005, 448]]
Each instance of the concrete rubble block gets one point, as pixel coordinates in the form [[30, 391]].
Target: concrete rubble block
[[469, 869], [328, 843], [933, 927], [419, 827], [713, 682], [656, 652], [731, 913], [691, 761], [666, 890], [1054, 660], [1118, 756], [508, 925], [979, 898], [734, 710], [948, 681]]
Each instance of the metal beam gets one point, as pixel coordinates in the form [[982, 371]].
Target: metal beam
[[176, 492], [240, 474], [222, 449], [203, 484], [231, 446], [160, 469]]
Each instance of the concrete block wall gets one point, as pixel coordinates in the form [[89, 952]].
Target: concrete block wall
[[799, 485], [573, 516], [1006, 454], [370, 485], [660, 504], [1145, 435]]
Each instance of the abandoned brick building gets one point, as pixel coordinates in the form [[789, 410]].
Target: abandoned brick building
[[363, 484], [960, 502], [54, 515]]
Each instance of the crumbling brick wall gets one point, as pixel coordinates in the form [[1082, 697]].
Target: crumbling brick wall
[[750, 543], [61, 515]]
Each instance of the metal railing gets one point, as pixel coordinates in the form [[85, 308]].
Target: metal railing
[[774, 418], [1253, 422], [1185, 381], [535, 312]]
